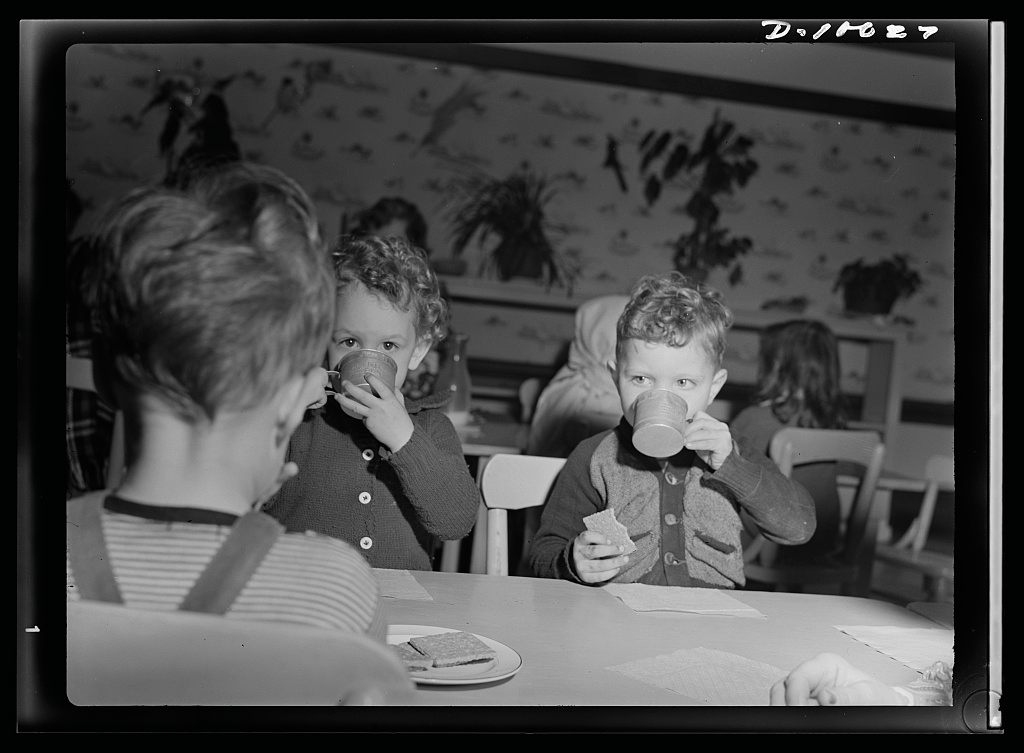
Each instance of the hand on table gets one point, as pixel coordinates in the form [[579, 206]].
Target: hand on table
[[594, 557], [830, 680], [385, 416]]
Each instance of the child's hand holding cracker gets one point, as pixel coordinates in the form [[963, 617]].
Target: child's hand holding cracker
[[709, 438], [596, 559], [385, 416]]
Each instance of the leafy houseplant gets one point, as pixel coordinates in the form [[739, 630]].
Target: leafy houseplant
[[512, 209], [874, 288], [724, 157]]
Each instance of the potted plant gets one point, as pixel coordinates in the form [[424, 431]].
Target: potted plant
[[725, 164], [512, 209], [874, 288]]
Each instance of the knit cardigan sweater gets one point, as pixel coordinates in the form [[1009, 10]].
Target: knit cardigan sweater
[[395, 508], [683, 517]]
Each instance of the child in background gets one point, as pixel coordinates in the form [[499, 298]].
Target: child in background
[[798, 385], [681, 512], [385, 472], [213, 307], [393, 216]]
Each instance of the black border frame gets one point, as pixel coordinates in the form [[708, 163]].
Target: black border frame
[[42, 703]]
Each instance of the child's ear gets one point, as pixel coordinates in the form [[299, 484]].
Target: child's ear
[[717, 382], [419, 351], [612, 368]]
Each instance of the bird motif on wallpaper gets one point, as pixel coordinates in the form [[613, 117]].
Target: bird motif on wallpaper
[[923, 227], [567, 111], [878, 236], [73, 121], [304, 148], [446, 114], [788, 168], [545, 142], [586, 141], [404, 137], [833, 162], [287, 101], [620, 245], [327, 112], [508, 139], [611, 160], [920, 151], [816, 192], [519, 95], [127, 120]]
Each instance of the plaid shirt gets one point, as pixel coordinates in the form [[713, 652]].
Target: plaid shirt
[[88, 420]]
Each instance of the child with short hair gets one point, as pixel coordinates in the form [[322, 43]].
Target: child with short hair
[[213, 306], [682, 512], [380, 470]]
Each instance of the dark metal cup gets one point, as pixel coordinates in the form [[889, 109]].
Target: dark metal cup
[[660, 419], [356, 365]]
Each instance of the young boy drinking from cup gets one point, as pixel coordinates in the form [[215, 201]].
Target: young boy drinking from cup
[[384, 473], [671, 473], [213, 304]]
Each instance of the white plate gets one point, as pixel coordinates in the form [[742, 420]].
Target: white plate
[[506, 664]]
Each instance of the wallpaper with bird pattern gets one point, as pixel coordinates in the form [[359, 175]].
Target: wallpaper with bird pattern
[[354, 126]]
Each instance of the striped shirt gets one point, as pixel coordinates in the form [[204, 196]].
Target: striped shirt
[[157, 553]]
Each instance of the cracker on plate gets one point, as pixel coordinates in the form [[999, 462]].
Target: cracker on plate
[[414, 660], [605, 522], [451, 649]]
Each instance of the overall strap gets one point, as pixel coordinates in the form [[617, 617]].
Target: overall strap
[[225, 576], [90, 560]]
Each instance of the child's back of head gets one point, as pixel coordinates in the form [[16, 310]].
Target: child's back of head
[[398, 272], [798, 374], [671, 309], [210, 296]]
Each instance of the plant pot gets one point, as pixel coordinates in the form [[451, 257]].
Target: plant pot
[[869, 299]]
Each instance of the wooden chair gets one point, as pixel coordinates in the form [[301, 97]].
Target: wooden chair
[[78, 375], [119, 656], [512, 482], [908, 552], [850, 566]]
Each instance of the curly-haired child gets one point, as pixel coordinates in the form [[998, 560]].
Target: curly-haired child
[[682, 512], [381, 471]]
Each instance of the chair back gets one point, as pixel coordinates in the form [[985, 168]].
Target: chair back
[[908, 553], [851, 566], [78, 375], [793, 446], [512, 482], [938, 474], [121, 656]]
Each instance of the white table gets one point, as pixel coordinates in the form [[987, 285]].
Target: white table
[[567, 634]]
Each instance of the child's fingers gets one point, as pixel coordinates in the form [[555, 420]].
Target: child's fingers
[[381, 387], [358, 394], [346, 401]]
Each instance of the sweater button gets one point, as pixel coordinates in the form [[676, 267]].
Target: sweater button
[[671, 559], [366, 542], [671, 478], [367, 455], [671, 519], [364, 498]]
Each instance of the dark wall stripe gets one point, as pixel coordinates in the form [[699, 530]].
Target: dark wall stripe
[[655, 79]]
